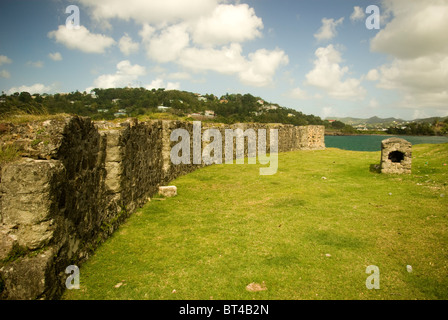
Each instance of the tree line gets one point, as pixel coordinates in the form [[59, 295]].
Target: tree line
[[421, 129], [108, 104], [105, 104]]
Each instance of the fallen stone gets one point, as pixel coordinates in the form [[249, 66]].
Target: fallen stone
[[169, 191]]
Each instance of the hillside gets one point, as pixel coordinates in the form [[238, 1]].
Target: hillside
[[383, 122], [428, 126], [373, 121], [108, 104]]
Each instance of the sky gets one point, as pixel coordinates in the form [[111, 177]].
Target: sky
[[330, 58]]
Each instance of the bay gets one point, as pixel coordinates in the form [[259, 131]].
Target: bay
[[373, 142]]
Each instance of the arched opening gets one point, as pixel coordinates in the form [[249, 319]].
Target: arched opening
[[396, 156]]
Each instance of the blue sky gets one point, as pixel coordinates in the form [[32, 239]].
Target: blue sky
[[316, 56]]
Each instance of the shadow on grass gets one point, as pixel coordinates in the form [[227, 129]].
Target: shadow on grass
[[375, 168]]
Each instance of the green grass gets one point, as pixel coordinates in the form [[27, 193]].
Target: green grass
[[21, 117], [8, 153], [229, 227]]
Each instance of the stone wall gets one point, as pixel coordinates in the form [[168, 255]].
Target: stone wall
[[77, 181]]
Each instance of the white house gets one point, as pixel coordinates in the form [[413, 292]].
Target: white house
[[163, 108], [209, 113]]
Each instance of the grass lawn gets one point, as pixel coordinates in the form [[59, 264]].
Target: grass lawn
[[308, 232]]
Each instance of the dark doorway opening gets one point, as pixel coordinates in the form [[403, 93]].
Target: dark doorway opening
[[396, 156]]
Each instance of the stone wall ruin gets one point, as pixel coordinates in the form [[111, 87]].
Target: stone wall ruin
[[77, 181], [396, 156]]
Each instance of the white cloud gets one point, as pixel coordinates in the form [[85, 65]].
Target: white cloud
[[328, 112], [261, 67], [55, 56], [423, 81], [298, 93], [5, 60], [328, 29], [35, 88], [35, 64], [328, 75], [417, 40], [256, 70], [146, 32], [373, 103], [151, 12], [81, 39], [227, 60], [179, 75], [168, 45], [127, 46], [373, 75], [160, 84], [5, 74], [358, 14], [417, 29], [227, 24], [198, 35], [125, 75]]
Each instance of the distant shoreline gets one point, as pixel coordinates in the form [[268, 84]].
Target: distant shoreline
[[355, 134], [331, 134]]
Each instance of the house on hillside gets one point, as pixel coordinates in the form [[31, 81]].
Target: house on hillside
[[271, 107], [209, 113], [163, 108], [361, 127]]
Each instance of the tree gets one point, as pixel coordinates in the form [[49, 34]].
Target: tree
[[338, 125], [25, 97]]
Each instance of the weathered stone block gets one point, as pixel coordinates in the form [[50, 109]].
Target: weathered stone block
[[28, 200], [113, 177], [25, 279], [168, 191], [6, 242]]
